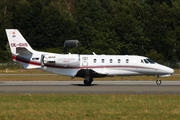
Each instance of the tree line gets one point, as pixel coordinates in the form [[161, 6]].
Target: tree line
[[121, 27]]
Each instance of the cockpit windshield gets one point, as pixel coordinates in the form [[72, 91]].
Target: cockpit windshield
[[151, 61], [147, 61]]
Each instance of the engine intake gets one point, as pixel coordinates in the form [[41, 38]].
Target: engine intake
[[61, 60]]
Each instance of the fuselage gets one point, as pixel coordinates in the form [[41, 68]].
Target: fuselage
[[108, 65]]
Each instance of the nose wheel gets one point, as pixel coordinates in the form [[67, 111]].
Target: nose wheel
[[158, 81]]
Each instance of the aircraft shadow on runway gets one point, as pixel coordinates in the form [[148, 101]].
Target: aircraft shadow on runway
[[84, 85]]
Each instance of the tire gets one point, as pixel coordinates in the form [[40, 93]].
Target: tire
[[158, 82]]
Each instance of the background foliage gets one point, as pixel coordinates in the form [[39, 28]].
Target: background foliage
[[142, 27]]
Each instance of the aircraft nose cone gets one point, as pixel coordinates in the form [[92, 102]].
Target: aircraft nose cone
[[171, 71]]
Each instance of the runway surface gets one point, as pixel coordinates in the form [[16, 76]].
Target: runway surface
[[97, 87]]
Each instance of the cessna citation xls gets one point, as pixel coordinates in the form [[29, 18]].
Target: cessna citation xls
[[86, 66]]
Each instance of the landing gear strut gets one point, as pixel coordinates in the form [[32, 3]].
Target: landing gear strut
[[158, 81]]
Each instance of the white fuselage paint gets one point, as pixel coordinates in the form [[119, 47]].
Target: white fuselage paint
[[110, 65]]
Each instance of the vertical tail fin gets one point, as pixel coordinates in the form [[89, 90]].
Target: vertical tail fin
[[21, 50], [17, 42]]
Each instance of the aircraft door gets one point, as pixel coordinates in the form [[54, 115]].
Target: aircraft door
[[85, 61]]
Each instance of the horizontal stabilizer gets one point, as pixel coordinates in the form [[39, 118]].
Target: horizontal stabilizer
[[22, 51]]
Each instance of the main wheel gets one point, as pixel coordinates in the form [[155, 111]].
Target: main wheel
[[87, 83]]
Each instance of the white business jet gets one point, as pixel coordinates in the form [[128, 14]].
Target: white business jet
[[86, 66]]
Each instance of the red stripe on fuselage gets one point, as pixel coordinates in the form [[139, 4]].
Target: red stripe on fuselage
[[27, 61], [24, 60]]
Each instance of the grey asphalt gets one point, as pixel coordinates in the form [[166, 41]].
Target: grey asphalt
[[97, 87]]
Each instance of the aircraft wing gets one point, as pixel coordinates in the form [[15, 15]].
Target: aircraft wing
[[91, 72], [99, 71]]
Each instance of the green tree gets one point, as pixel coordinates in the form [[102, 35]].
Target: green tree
[[6, 11], [129, 27], [94, 20], [159, 29], [43, 24]]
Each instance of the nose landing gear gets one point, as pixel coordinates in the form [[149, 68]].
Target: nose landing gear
[[158, 81]]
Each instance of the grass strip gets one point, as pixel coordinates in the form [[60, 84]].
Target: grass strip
[[89, 106], [38, 75]]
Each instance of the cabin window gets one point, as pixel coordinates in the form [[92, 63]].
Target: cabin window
[[95, 60], [110, 60], [119, 60], [127, 60], [35, 58], [102, 60]]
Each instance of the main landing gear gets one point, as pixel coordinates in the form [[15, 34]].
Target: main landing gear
[[88, 80], [158, 81]]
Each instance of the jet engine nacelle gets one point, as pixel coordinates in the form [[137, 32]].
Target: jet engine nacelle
[[61, 60]]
